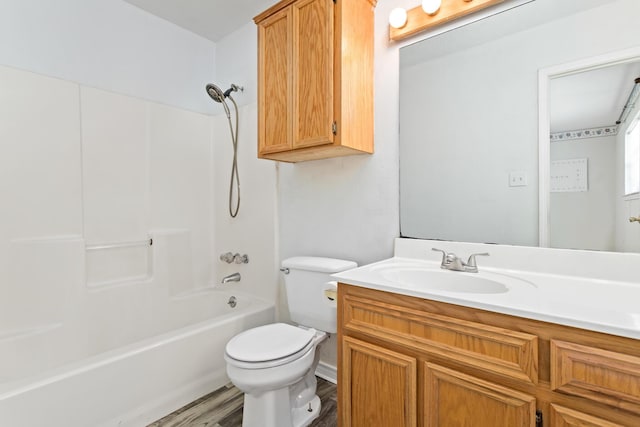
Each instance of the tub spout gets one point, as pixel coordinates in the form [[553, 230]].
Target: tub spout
[[235, 277]]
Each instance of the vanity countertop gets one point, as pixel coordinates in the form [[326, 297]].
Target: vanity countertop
[[609, 306]]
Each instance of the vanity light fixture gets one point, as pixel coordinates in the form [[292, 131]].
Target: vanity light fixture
[[432, 13], [398, 17], [431, 7]]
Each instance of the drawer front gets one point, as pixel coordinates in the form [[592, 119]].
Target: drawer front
[[508, 353], [600, 375]]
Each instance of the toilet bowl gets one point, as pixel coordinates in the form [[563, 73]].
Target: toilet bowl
[[274, 365], [267, 383]]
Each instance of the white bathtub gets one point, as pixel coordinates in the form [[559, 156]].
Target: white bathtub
[[137, 383]]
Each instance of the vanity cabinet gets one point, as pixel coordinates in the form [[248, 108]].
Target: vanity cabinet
[[315, 79], [429, 363]]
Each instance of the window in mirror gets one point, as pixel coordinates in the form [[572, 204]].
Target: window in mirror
[[632, 158]]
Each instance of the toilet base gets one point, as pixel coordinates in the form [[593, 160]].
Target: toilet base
[[302, 417], [272, 409]]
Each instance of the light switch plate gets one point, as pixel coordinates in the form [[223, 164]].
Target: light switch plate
[[517, 179]]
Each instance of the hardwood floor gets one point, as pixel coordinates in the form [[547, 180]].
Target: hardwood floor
[[223, 408]]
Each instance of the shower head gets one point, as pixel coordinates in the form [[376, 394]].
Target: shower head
[[216, 93]]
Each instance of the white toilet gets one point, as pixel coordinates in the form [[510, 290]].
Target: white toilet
[[274, 365]]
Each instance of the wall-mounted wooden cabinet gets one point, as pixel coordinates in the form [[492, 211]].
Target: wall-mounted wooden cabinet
[[315, 79], [406, 361]]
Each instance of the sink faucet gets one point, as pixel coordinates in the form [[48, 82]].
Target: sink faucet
[[450, 261], [235, 277]]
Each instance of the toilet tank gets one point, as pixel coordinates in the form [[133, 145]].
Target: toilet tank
[[306, 279]]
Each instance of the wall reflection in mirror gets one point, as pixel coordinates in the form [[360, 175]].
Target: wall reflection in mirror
[[469, 126]]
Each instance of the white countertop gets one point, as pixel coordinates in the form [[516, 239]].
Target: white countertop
[[603, 305]]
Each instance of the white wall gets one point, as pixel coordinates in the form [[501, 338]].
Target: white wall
[[586, 219], [108, 44]]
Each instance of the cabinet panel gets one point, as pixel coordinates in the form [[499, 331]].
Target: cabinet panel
[[565, 417], [453, 399], [600, 375], [502, 351], [313, 72], [379, 386], [275, 82]]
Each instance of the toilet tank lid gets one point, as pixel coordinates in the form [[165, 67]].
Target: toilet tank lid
[[318, 264]]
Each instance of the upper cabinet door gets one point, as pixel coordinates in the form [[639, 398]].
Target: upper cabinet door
[[275, 90], [313, 85]]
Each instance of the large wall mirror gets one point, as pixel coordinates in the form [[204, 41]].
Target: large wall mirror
[[473, 102]]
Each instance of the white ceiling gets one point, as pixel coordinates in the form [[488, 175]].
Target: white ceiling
[[212, 19], [592, 98]]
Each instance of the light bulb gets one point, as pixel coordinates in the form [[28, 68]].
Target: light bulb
[[431, 7], [398, 17]]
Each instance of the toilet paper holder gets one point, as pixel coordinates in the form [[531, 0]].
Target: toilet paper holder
[[331, 294], [331, 291]]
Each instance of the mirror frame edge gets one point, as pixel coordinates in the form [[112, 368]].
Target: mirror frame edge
[[544, 149]]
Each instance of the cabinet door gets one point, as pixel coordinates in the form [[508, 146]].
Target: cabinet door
[[313, 89], [275, 74], [379, 386], [454, 399], [565, 417]]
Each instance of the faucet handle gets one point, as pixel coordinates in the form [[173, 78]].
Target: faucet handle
[[227, 257], [472, 259], [241, 259], [444, 255]]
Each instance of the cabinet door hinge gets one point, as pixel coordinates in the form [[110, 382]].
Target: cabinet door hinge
[[334, 127], [538, 418]]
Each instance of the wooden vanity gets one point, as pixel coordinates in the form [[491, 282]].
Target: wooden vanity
[[410, 361]]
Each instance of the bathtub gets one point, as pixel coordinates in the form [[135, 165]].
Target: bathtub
[[140, 382]]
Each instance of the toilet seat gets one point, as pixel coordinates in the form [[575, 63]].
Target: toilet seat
[[269, 346]]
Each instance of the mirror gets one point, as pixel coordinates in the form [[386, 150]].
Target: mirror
[[469, 126]]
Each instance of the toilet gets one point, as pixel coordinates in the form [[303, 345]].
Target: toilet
[[274, 365]]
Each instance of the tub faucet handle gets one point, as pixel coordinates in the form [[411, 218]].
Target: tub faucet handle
[[241, 259], [227, 257]]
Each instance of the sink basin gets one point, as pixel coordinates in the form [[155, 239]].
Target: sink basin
[[443, 280]]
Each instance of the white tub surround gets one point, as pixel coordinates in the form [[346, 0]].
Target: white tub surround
[[597, 291]]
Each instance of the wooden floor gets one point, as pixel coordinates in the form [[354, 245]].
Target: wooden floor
[[223, 408]]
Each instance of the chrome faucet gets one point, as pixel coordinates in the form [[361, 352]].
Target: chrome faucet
[[235, 277], [450, 261]]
